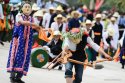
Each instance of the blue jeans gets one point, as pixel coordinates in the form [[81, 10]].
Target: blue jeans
[[78, 72]]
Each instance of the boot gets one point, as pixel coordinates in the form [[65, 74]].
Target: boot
[[69, 80]]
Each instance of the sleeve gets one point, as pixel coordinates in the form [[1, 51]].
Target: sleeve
[[70, 24], [18, 18], [53, 26], [105, 35], [92, 44], [44, 21]]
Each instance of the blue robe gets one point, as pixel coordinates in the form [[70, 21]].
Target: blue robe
[[20, 48]]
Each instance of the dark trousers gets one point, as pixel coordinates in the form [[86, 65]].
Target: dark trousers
[[78, 72]]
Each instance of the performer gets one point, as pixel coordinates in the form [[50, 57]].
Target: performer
[[122, 53], [75, 41], [20, 48]]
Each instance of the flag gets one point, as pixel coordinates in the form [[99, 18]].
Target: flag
[[98, 4]]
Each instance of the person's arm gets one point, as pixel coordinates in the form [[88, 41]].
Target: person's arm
[[97, 48]]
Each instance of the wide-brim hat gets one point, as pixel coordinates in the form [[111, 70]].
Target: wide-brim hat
[[111, 31], [88, 22], [38, 13], [116, 14], [59, 8], [51, 8], [57, 33], [59, 16], [113, 19], [104, 16], [35, 7], [98, 16], [76, 12]]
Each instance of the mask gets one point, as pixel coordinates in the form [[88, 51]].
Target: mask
[[26, 9]]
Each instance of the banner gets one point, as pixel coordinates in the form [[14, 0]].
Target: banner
[[98, 4]]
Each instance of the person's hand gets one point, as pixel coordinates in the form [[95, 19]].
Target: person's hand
[[108, 57]]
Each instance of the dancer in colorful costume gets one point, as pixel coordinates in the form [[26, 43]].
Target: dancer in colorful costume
[[21, 45], [75, 41]]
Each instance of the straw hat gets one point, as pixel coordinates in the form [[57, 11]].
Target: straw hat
[[59, 16], [35, 7], [113, 19], [88, 22], [59, 8], [98, 16], [76, 12], [51, 8], [56, 33], [38, 13], [111, 31], [116, 14]]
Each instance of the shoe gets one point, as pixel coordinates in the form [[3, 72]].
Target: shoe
[[122, 67], [1, 43], [60, 67], [19, 81], [12, 80]]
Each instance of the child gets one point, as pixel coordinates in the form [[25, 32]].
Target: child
[[20, 48]]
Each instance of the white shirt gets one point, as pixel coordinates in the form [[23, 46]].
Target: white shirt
[[116, 35], [49, 4], [55, 27], [46, 20]]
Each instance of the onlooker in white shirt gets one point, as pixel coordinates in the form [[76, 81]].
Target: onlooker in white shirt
[[47, 17], [58, 25]]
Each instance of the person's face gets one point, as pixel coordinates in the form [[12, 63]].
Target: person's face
[[27, 9], [51, 11], [113, 22], [76, 15], [39, 18], [58, 12], [98, 19], [88, 26], [59, 20], [57, 37]]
